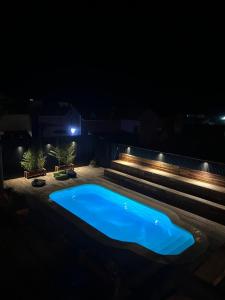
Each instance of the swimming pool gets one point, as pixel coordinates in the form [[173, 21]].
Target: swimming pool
[[124, 219]]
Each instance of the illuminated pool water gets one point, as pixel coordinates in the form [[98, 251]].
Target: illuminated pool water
[[124, 219]]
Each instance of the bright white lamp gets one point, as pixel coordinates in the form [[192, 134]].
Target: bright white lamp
[[72, 130]]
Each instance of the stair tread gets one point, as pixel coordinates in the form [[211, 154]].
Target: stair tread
[[162, 187], [177, 177]]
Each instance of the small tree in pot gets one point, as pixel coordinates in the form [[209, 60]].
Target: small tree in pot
[[65, 156], [28, 161], [41, 159], [33, 163]]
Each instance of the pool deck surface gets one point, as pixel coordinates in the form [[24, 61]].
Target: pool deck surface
[[23, 185], [45, 258], [215, 232]]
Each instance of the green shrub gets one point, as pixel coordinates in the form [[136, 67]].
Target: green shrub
[[41, 159], [28, 161], [93, 163], [33, 160], [64, 154]]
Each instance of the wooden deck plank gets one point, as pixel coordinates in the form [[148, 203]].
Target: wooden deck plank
[[197, 205], [198, 175], [195, 187]]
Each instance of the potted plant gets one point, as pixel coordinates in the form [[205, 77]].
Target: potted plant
[[33, 163], [65, 156], [93, 163]]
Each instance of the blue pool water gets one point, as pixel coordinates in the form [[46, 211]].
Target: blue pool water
[[124, 219]]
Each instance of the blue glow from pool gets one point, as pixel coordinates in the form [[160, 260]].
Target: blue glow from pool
[[124, 219]]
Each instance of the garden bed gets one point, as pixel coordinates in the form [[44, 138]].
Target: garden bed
[[64, 167], [34, 173]]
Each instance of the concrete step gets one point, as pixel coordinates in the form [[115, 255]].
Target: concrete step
[[196, 205], [191, 186]]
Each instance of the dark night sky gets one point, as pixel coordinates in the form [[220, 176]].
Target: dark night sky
[[165, 62]]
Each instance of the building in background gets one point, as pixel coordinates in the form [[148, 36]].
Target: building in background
[[62, 122], [112, 126], [36, 124]]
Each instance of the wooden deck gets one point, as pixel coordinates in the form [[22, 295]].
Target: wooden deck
[[188, 202], [214, 231], [23, 185], [195, 187], [198, 175]]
